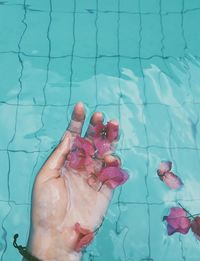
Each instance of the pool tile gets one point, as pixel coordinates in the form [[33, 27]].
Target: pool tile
[[54, 121], [8, 126], [157, 123], [191, 19], [129, 36], [150, 35], [108, 66], [104, 251], [20, 176], [191, 4], [81, 69], [16, 222], [85, 35], [5, 208], [190, 246], [131, 81], [158, 191], [134, 162], [38, 5], [166, 82], [172, 29], [111, 5], [33, 79], [108, 90], [29, 45], [13, 2], [4, 163], [194, 78], [181, 119], [135, 219], [10, 86], [163, 247], [149, 7], [11, 29], [61, 36], [107, 34], [171, 6], [57, 89], [188, 172], [88, 89], [63, 6], [132, 126], [129, 6], [28, 123], [86, 6]]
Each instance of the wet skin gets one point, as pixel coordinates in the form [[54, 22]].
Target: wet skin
[[61, 197]]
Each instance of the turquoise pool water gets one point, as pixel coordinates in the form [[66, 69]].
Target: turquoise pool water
[[137, 61]]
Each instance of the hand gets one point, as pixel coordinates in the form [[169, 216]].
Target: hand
[[62, 197]]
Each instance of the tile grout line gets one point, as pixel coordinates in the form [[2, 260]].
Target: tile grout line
[[14, 52], [72, 59], [117, 230], [4, 237], [147, 150]]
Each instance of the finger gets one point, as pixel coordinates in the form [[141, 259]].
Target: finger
[[96, 118], [58, 157], [77, 120], [115, 128]]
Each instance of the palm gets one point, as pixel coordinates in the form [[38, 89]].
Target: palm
[[61, 200]]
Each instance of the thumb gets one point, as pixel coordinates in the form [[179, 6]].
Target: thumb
[[59, 155]]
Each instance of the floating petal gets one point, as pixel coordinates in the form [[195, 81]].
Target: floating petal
[[165, 166], [177, 221]]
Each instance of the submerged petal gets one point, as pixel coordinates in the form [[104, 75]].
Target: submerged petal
[[75, 161], [171, 180], [102, 145], [112, 176], [85, 236], [81, 155]]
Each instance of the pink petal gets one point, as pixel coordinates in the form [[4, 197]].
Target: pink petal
[[165, 166], [171, 180], [81, 155], [112, 131], [112, 176], [83, 242], [75, 161], [114, 163], [195, 226], [84, 144], [97, 129], [177, 221], [81, 230], [102, 145], [85, 236]]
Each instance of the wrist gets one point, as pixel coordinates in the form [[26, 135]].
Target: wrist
[[45, 246]]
